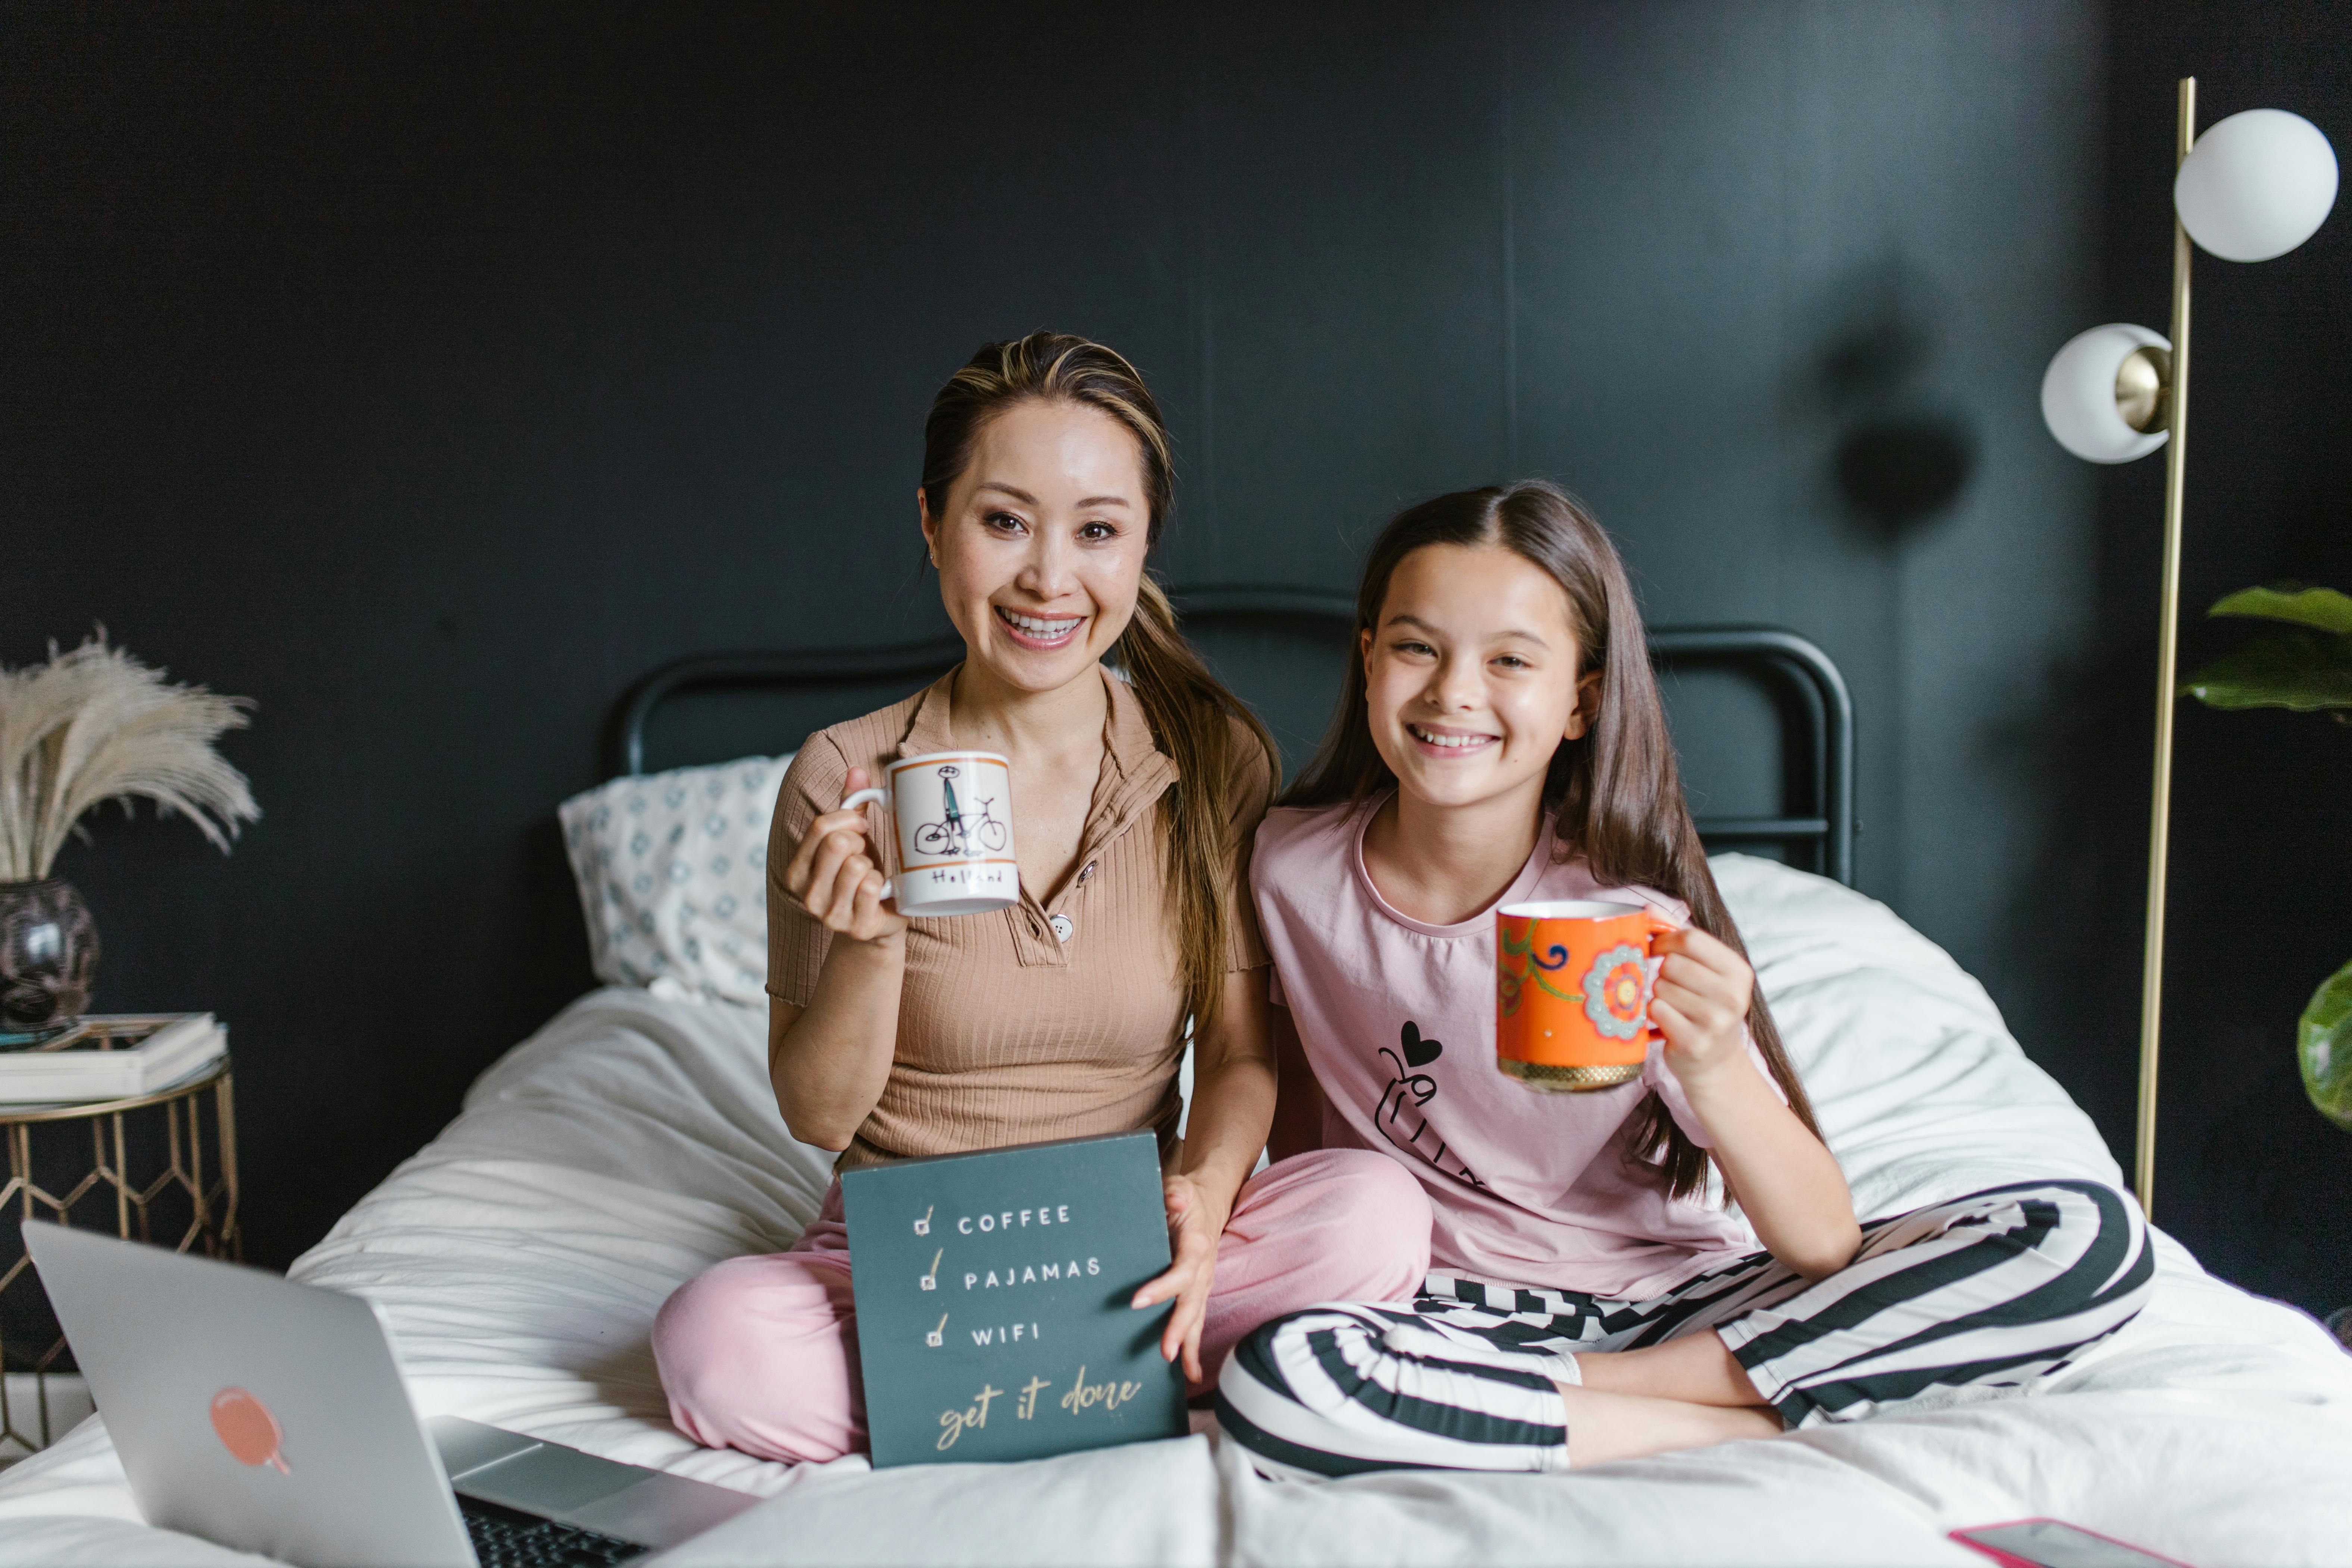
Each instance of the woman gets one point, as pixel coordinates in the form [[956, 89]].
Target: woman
[[1046, 481]]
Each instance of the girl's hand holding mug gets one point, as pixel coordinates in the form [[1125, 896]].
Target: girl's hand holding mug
[[1700, 1003], [835, 873], [1585, 987]]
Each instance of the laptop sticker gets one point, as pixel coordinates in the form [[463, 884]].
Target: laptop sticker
[[247, 1430]]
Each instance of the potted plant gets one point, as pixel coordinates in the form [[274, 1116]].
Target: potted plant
[[2305, 663], [88, 726]]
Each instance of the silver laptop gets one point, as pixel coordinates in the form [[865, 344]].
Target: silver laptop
[[270, 1416]]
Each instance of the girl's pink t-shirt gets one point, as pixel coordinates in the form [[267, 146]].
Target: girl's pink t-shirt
[[1397, 1017]]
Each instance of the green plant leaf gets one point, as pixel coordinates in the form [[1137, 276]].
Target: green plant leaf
[[2324, 609], [2307, 672], [2324, 1045]]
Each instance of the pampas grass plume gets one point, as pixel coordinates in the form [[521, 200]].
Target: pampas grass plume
[[94, 725]]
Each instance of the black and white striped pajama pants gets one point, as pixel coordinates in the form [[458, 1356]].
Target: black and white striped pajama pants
[[1994, 1290]]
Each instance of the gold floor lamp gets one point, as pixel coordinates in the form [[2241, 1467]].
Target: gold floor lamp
[[2253, 187]]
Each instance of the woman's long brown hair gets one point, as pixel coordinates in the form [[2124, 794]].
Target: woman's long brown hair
[[1616, 792], [1193, 716]]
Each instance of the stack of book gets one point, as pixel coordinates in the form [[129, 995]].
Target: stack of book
[[113, 1056]]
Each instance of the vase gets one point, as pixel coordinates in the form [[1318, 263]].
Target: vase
[[48, 956]]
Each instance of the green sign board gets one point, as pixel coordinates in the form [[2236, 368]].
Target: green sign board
[[992, 1292]]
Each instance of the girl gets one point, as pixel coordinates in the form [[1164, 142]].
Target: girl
[[1045, 483], [1501, 740]]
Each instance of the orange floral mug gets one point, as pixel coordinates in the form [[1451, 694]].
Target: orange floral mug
[[1572, 986]]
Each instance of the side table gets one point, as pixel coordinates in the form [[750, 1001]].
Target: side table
[[149, 1160]]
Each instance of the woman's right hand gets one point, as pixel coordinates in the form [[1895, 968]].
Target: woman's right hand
[[836, 874]]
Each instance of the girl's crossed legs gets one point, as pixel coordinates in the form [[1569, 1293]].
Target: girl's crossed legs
[[759, 1353], [1993, 1289]]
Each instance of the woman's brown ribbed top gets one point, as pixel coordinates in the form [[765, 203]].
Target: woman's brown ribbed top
[[1007, 1035]]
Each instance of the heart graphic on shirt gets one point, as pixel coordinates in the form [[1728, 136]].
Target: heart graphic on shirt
[[1418, 1052]]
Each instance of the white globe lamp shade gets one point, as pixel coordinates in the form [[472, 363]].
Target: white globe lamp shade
[[2256, 185], [2079, 395]]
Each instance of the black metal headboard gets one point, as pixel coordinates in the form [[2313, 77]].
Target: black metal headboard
[[1817, 736]]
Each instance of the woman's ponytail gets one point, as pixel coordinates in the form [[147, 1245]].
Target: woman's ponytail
[[1197, 721]]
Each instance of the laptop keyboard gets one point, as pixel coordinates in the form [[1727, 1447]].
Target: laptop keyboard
[[504, 1537]]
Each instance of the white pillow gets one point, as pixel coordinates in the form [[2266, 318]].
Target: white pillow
[[673, 874]]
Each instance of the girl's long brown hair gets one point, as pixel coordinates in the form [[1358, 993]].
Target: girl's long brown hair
[[1193, 716], [1616, 792]]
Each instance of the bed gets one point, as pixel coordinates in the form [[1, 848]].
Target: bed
[[632, 1142]]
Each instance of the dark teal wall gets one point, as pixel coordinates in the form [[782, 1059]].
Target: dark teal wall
[[429, 376]]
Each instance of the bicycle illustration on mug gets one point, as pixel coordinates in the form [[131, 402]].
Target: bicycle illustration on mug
[[957, 835]]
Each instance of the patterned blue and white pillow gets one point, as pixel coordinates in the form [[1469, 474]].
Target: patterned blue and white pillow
[[673, 874]]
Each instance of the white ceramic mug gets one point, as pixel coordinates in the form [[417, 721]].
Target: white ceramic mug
[[951, 813]]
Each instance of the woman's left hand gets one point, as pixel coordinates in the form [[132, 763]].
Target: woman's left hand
[[1700, 1003], [1194, 1226]]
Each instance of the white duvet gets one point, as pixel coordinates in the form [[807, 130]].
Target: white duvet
[[630, 1143]]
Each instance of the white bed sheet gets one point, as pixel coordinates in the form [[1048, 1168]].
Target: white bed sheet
[[631, 1142]]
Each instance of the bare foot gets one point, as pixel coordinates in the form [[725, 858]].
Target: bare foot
[[1698, 1370], [1602, 1427]]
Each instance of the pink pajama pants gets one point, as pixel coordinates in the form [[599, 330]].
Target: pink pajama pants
[[761, 1353]]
